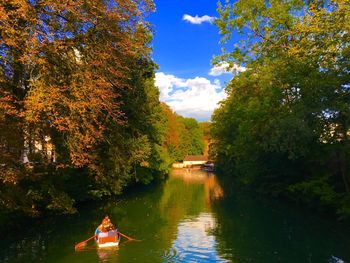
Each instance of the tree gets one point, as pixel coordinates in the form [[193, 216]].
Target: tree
[[286, 118], [64, 70], [184, 136]]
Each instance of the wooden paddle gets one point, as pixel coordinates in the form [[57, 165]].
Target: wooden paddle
[[130, 238], [83, 243]]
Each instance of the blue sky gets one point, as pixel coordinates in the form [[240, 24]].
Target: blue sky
[[183, 49]]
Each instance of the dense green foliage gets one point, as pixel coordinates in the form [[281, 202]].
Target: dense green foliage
[[284, 127], [185, 136], [80, 116]]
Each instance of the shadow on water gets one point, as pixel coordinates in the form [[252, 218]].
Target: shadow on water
[[187, 218], [252, 228]]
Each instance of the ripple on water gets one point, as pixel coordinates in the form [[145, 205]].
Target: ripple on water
[[171, 255], [194, 243]]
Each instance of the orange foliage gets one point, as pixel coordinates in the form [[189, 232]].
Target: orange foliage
[[172, 134], [68, 61]]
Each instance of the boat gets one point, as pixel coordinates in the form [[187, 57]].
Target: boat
[[208, 167], [107, 239]]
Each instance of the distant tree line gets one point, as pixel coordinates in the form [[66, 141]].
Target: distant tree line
[[185, 136], [284, 128], [80, 116]]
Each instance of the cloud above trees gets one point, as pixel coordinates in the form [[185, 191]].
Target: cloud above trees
[[225, 68], [195, 97], [197, 20]]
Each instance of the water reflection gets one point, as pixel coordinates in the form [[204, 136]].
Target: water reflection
[[196, 191], [256, 229], [212, 189], [187, 218], [108, 254], [174, 221], [194, 242]]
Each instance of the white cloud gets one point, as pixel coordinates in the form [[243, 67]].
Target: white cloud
[[197, 97], [198, 19], [166, 84], [224, 68]]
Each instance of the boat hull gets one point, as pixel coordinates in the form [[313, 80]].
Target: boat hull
[[108, 244], [107, 239]]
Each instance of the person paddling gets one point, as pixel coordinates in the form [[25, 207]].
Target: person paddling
[[106, 235], [108, 224], [105, 226]]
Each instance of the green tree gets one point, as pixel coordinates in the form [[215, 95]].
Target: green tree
[[184, 136], [285, 122], [193, 137]]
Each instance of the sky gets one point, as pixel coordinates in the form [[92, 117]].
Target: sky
[[185, 41]]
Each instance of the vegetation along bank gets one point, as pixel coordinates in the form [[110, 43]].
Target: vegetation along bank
[[80, 116], [284, 128]]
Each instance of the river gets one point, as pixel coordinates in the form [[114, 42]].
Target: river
[[187, 218]]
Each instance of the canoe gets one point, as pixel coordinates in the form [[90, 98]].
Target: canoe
[[107, 239]]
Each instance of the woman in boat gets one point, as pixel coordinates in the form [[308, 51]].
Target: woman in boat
[[106, 234], [108, 224], [105, 226]]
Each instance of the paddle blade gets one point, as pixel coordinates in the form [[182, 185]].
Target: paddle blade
[[80, 245], [83, 243]]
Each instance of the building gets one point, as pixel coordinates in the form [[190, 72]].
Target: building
[[194, 160]]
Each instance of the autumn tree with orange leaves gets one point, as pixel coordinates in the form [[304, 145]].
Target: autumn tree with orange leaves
[[65, 67]]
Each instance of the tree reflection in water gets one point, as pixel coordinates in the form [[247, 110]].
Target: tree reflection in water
[[187, 218], [212, 189], [196, 190]]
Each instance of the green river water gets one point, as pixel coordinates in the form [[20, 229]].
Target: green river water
[[187, 218]]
